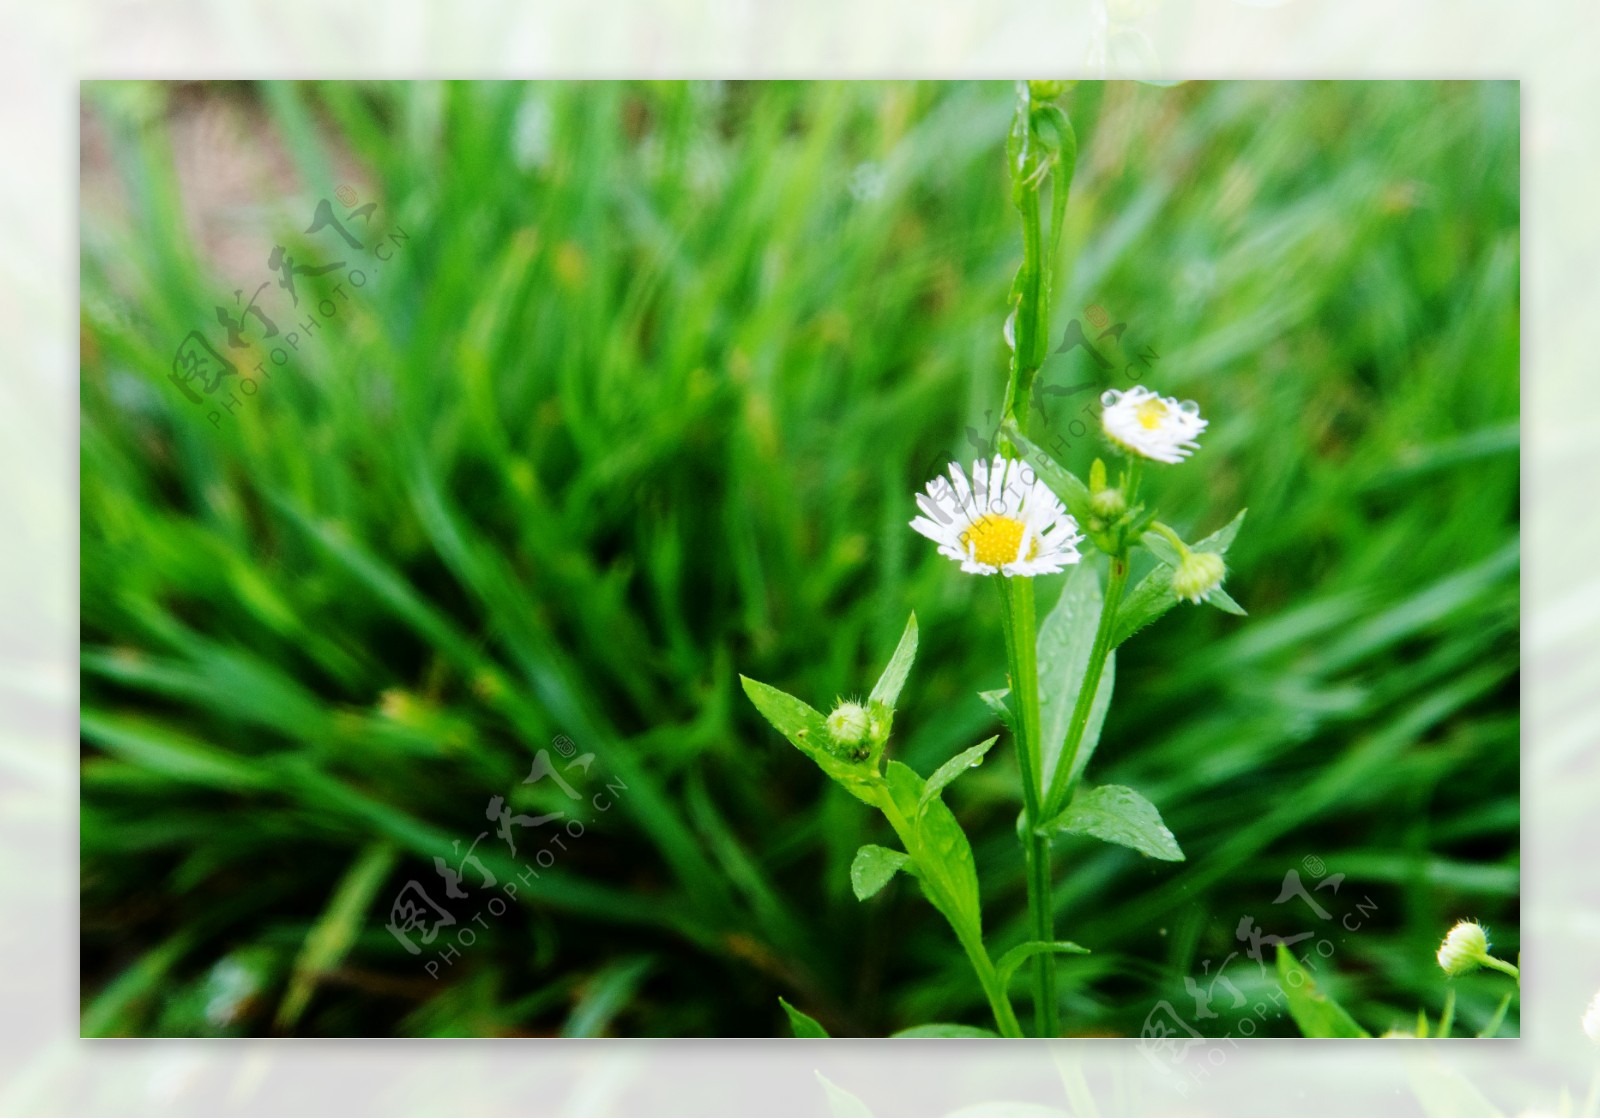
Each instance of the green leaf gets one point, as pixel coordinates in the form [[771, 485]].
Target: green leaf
[[1221, 540], [1065, 641], [1117, 814], [1066, 149], [605, 995], [806, 728], [802, 1024], [335, 932], [952, 769], [1499, 1016], [1162, 548], [1447, 1016], [1061, 481], [942, 852], [1315, 1013], [1224, 602], [887, 690], [1008, 964], [1150, 599], [945, 1029], [173, 754], [873, 867]]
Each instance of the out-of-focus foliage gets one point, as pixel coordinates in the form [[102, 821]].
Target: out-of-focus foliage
[[638, 402]]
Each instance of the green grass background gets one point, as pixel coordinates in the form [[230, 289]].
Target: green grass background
[[639, 404]]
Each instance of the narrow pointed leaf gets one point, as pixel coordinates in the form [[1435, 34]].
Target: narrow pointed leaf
[[952, 769], [1495, 1020], [887, 690], [1313, 1011], [800, 1022], [1223, 601], [1221, 540], [1008, 964]]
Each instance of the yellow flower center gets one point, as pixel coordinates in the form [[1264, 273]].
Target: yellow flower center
[[994, 540], [1151, 413]]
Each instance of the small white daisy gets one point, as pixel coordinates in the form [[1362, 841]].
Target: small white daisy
[[1006, 522], [1142, 423]]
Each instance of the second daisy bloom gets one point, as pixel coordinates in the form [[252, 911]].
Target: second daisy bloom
[[1155, 427], [1005, 521]]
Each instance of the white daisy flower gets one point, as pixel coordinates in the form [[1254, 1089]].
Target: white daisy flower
[[1142, 423], [1006, 522]]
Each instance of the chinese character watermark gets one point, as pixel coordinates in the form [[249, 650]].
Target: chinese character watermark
[[416, 918], [201, 370], [1174, 1044], [1049, 399]]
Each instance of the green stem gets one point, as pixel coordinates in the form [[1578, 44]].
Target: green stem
[[1031, 160], [1171, 535], [1061, 781], [1041, 908], [1031, 311], [1021, 629], [1005, 1016], [1501, 965], [1031, 326], [971, 937]]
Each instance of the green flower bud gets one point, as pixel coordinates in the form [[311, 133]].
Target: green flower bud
[[1046, 91], [850, 726], [1464, 949], [1109, 504], [1198, 575]]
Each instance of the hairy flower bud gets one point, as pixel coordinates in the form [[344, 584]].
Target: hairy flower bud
[[1464, 948], [849, 726], [1198, 575]]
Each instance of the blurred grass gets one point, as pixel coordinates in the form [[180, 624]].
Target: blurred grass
[[641, 401]]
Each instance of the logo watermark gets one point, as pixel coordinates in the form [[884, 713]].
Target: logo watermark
[[417, 920], [1174, 1045], [250, 325], [1050, 399]]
